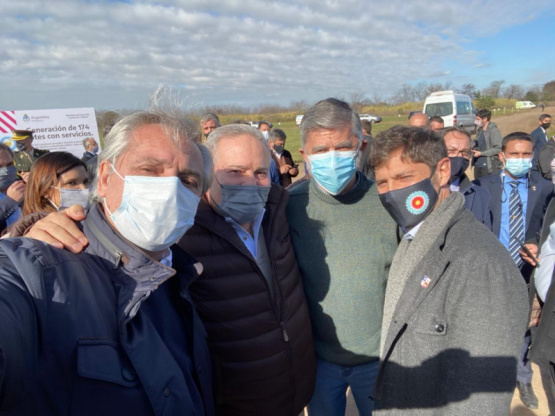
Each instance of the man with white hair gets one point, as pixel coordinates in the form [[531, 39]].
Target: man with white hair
[[208, 123], [344, 241], [250, 296], [113, 330], [91, 149]]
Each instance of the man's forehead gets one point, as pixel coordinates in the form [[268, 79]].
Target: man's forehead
[[456, 137], [519, 145]]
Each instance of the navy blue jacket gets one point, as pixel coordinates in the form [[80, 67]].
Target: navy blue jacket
[[540, 192], [477, 201], [539, 141], [105, 332]]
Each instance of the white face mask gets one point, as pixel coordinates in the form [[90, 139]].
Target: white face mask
[[155, 212], [266, 134], [69, 197]]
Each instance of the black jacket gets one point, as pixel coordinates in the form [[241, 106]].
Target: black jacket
[[261, 345]]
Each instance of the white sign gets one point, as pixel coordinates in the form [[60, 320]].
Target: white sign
[[54, 130]]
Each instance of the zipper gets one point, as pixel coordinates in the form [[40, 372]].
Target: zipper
[[285, 336]]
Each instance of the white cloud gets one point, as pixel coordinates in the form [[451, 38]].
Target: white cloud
[[111, 55]]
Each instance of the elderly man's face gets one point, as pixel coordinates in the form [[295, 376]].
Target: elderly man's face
[[208, 127], [397, 173], [151, 153], [458, 145], [324, 140], [239, 160]]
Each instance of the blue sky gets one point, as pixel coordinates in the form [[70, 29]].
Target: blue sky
[[112, 55]]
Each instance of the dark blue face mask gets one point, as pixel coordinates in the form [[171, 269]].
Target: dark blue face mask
[[411, 205], [458, 167]]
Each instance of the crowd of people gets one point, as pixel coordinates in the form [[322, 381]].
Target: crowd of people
[[173, 275]]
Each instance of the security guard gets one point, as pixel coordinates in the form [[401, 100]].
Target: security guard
[[26, 154]]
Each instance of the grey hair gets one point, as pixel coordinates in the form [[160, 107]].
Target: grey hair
[[277, 134], [210, 117], [234, 130], [329, 114], [176, 128], [85, 141]]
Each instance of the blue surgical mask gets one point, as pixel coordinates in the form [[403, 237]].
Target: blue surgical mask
[[518, 167], [333, 170], [155, 211], [243, 203], [69, 197]]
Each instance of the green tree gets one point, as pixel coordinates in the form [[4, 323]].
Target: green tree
[[483, 101]]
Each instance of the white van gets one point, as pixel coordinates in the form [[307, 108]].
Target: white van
[[524, 104], [454, 109]]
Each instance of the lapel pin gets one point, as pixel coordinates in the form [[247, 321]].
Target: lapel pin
[[533, 187], [425, 282]]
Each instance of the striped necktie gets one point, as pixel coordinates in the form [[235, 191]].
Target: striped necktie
[[516, 224]]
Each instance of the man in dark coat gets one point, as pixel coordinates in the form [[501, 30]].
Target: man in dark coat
[[477, 200], [534, 193], [288, 169], [113, 331], [250, 296], [540, 138], [455, 305]]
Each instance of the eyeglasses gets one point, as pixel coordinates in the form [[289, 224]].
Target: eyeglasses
[[467, 154]]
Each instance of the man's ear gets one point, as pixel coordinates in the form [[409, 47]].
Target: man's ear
[[103, 174], [363, 145], [444, 171], [501, 156]]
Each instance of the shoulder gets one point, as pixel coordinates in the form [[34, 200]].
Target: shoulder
[[299, 191], [543, 184], [488, 180]]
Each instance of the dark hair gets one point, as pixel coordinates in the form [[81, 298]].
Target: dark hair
[[436, 118], [517, 135], [418, 146], [484, 113], [260, 123], [277, 134], [44, 174], [543, 116], [366, 125], [456, 130]]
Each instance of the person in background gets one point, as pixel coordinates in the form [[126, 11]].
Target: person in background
[[362, 156], [57, 180], [519, 198], [287, 167], [436, 124], [419, 120], [477, 199], [540, 138], [26, 155], [275, 176], [208, 123], [488, 142], [91, 149], [455, 304], [12, 190]]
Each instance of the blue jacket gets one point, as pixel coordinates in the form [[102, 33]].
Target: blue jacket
[[540, 192], [477, 201], [539, 140], [105, 332]]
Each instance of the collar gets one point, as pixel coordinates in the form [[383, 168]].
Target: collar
[[412, 233]]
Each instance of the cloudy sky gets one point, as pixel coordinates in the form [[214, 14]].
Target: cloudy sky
[[112, 54]]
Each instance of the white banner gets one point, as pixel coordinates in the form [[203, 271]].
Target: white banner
[[54, 130]]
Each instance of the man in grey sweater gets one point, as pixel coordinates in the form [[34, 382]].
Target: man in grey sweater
[[455, 304], [344, 242]]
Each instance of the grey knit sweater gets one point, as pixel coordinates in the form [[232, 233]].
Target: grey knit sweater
[[344, 246]]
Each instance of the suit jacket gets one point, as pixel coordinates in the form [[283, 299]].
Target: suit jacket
[[540, 192], [545, 157], [87, 156], [447, 351], [477, 201], [286, 159], [539, 139]]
